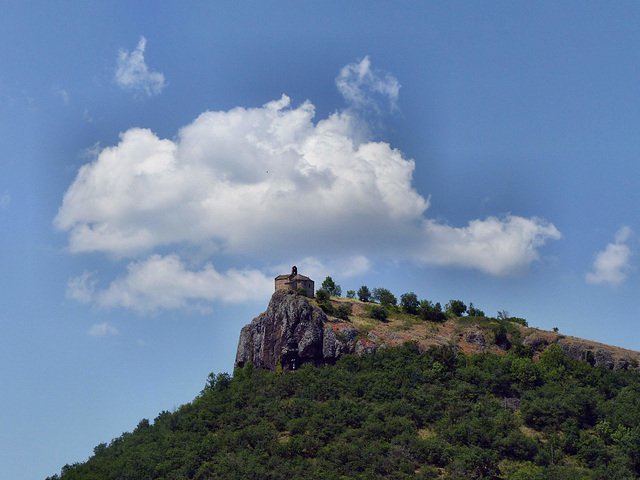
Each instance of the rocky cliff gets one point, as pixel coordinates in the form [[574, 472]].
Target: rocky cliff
[[294, 330]]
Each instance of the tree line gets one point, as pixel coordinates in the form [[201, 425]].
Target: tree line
[[409, 304]]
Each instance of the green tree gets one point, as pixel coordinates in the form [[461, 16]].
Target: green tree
[[409, 303], [364, 294], [456, 307], [330, 286], [351, 294], [431, 312], [384, 296], [475, 312]]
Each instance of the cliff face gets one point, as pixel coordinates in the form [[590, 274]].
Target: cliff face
[[293, 331]]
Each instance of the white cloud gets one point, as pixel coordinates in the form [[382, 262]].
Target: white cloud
[[166, 283], [133, 74], [497, 246], [269, 183], [245, 180], [613, 264], [5, 200], [81, 288], [102, 329], [359, 84]]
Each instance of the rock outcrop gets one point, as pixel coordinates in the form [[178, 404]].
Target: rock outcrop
[[292, 332], [476, 338], [598, 354]]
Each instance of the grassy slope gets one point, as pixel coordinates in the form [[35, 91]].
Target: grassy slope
[[455, 331]]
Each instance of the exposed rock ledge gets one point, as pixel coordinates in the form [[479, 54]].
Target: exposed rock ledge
[[292, 332]]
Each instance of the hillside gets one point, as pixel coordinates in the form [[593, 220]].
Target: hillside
[[296, 330], [461, 398]]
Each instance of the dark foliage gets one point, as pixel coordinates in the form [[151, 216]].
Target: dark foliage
[[430, 312], [409, 302], [322, 295], [364, 294], [330, 286], [384, 296], [378, 313], [394, 414], [343, 311], [457, 307]]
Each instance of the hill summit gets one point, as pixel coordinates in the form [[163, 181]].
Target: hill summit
[[295, 330]]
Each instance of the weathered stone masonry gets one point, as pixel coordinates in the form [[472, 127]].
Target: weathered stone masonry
[[293, 281]]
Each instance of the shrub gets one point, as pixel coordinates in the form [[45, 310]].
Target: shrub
[[322, 295], [343, 311], [378, 313]]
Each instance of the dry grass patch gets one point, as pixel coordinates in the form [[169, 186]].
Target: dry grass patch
[[426, 433], [530, 432]]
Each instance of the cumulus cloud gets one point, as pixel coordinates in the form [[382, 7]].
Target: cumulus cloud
[[613, 264], [81, 288], [133, 74], [245, 180], [102, 330], [159, 282], [269, 184], [497, 246], [359, 84]]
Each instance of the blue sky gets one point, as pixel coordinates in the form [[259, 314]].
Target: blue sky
[[162, 163]]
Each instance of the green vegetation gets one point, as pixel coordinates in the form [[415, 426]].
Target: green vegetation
[[322, 298], [430, 312], [343, 311], [456, 307], [384, 296], [364, 294], [475, 312], [322, 295], [394, 414], [378, 313], [330, 286], [409, 302]]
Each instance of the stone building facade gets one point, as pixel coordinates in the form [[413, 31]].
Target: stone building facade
[[293, 281]]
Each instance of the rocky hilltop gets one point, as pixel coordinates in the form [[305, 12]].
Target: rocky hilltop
[[295, 330]]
